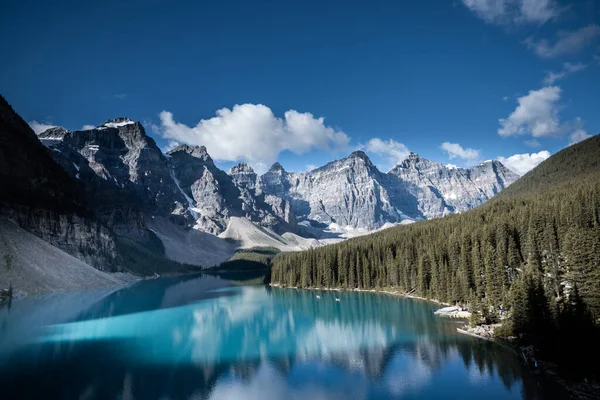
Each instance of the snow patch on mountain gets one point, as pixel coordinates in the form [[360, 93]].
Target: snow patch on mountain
[[117, 124]]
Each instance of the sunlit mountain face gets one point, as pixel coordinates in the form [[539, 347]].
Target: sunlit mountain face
[[202, 337]]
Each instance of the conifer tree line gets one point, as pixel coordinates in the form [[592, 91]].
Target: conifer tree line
[[531, 253]]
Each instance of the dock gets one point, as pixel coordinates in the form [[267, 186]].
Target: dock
[[453, 312]]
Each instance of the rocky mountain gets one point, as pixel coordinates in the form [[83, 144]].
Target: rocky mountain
[[123, 173], [349, 192], [440, 190], [40, 197], [215, 196], [353, 194], [128, 179]]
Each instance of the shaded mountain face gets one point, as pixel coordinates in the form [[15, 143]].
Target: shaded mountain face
[[43, 199], [121, 170]]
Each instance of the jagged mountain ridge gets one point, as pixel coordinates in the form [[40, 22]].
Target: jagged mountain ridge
[[353, 193], [185, 185], [216, 196], [441, 190], [41, 198], [123, 173]]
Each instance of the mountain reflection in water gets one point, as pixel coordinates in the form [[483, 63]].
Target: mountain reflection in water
[[204, 337]]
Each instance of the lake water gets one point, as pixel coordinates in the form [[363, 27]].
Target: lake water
[[205, 337]]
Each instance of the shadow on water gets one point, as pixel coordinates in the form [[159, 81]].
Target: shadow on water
[[201, 337]]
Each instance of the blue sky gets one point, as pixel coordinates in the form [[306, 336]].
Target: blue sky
[[490, 78]]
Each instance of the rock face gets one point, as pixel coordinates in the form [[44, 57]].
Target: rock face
[[213, 195], [41, 197], [353, 193], [123, 172], [440, 190], [216, 196], [348, 192]]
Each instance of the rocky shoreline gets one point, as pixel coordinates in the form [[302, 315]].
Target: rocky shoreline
[[485, 332]]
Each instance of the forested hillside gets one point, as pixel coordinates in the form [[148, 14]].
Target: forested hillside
[[531, 253]]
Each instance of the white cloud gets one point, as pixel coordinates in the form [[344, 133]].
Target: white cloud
[[88, 127], [514, 11], [393, 152], [567, 70], [506, 98], [536, 114], [455, 150], [120, 96], [310, 167], [252, 133], [39, 127], [578, 136], [522, 163], [451, 166], [568, 42]]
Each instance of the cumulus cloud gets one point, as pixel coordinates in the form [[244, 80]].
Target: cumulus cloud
[[87, 127], [536, 114], [522, 163], [578, 136], [567, 42], [252, 133], [391, 151], [567, 70], [455, 150], [39, 127], [505, 12]]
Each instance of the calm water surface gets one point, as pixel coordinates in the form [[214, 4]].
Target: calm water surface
[[207, 338]]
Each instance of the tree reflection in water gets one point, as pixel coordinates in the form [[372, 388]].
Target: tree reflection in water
[[200, 337]]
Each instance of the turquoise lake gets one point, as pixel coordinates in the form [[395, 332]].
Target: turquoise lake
[[205, 337]]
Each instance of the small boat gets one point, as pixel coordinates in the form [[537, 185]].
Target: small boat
[[318, 297], [336, 299]]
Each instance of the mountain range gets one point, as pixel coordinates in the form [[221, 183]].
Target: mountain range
[[126, 174], [90, 191]]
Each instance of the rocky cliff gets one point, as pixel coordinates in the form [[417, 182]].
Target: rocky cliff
[[348, 192], [352, 193], [123, 173], [440, 190], [43, 199], [216, 196]]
